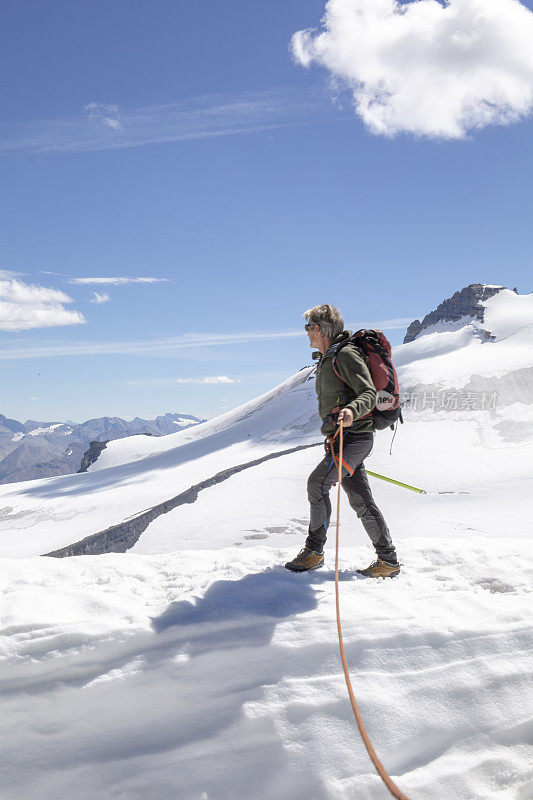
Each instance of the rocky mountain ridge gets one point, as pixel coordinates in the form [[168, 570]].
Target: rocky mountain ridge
[[464, 303]]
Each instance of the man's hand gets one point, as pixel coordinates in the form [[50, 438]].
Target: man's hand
[[346, 417]]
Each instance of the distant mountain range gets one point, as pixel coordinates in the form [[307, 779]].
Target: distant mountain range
[[33, 449]]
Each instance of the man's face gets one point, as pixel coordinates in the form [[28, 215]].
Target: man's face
[[315, 338]]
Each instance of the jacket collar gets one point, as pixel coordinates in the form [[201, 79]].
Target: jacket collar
[[332, 349]]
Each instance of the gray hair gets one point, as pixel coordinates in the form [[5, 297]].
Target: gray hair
[[328, 318]]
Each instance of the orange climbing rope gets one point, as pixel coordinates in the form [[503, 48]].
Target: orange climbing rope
[[385, 777]]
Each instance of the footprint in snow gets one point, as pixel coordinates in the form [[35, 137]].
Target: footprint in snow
[[296, 526], [291, 530], [494, 585]]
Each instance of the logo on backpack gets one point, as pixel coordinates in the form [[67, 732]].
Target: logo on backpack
[[376, 351]]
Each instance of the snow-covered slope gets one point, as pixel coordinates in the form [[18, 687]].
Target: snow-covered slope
[[281, 418], [195, 667], [139, 472]]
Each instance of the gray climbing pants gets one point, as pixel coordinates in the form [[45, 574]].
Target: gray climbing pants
[[356, 448]]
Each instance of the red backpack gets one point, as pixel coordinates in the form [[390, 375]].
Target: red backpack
[[376, 351]]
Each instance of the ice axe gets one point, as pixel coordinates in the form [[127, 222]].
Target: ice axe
[[398, 483]]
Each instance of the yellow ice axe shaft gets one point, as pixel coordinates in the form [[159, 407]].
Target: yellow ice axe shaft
[[398, 483]]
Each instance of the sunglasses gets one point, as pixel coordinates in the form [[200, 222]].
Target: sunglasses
[[310, 325]]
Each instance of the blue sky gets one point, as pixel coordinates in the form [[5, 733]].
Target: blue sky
[[183, 142]]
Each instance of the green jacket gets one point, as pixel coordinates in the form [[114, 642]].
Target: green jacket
[[357, 392]]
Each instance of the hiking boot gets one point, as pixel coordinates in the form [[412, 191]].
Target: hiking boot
[[381, 569], [306, 559]]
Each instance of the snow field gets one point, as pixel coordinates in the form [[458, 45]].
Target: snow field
[[452, 455], [216, 674], [482, 492]]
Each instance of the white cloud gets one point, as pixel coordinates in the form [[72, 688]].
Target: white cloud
[[214, 379], [438, 69], [101, 127], [102, 114], [117, 281], [8, 274], [23, 306], [151, 347], [100, 298], [168, 346], [382, 325], [160, 381]]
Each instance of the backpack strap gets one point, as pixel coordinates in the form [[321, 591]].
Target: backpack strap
[[334, 361], [336, 352], [338, 348]]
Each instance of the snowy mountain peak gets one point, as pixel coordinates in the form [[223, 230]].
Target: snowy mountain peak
[[488, 360], [469, 302]]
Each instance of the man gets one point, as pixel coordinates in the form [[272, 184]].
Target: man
[[350, 399]]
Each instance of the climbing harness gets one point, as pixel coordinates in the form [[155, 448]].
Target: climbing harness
[[385, 777]]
